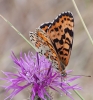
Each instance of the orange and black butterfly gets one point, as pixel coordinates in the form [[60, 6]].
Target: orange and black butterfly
[[55, 39]]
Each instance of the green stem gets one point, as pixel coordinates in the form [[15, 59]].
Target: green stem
[[82, 21], [87, 34], [77, 93], [18, 32]]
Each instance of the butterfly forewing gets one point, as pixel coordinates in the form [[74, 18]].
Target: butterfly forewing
[[45, 26], [61, 35]]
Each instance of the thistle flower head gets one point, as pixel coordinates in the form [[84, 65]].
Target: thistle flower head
[[37, 72]]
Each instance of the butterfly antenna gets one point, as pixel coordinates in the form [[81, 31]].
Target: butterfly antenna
[[80, 75]]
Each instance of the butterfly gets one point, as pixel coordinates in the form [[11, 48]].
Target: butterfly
[[55, 40]]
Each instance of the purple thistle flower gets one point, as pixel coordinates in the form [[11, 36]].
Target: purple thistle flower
[[37, 72]]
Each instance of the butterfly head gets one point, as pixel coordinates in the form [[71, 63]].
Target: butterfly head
[[64, 74]]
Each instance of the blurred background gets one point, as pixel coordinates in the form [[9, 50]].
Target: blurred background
[[27, 15]]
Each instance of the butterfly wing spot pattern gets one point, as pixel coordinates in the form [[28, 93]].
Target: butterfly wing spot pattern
[[55, 39]]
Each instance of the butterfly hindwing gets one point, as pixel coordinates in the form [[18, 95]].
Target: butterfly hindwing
[[44, 46]]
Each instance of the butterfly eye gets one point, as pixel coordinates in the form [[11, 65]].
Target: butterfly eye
[[64, 74]]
